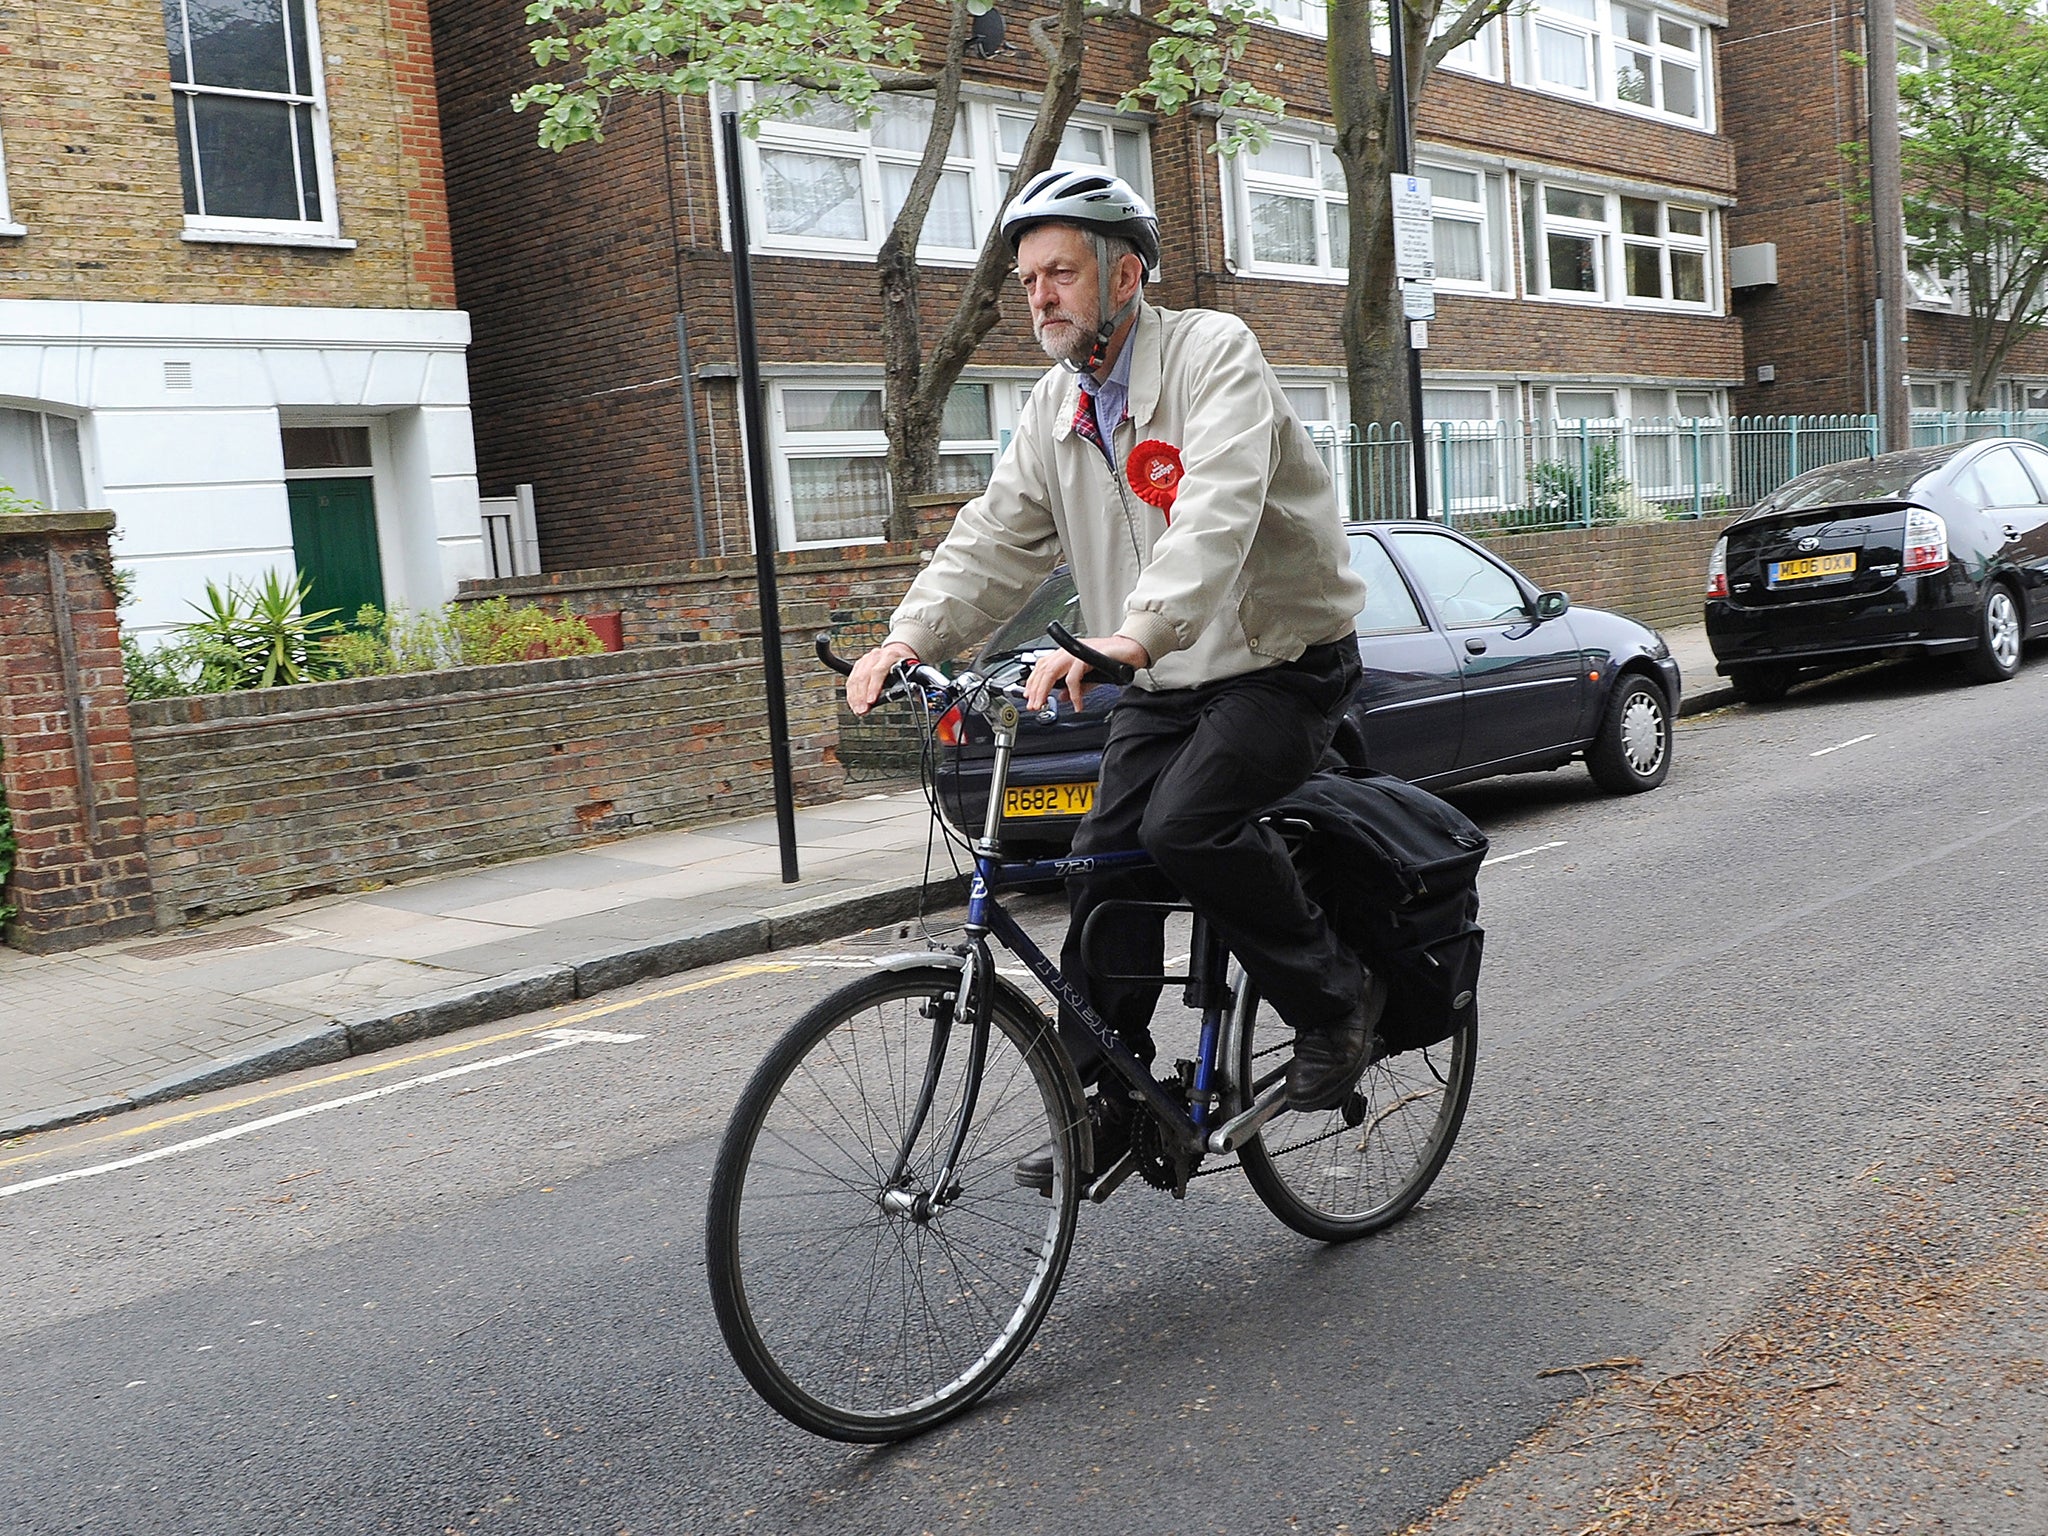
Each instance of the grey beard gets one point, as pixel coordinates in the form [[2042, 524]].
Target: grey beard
[[1074, 351]]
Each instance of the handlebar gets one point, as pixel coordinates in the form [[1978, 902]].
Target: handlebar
[[1119, 672], [906, 676], [823, 641]]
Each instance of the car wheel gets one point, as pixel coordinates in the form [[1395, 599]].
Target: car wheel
[[1632, 753], [1760, 685], [2000, 632]]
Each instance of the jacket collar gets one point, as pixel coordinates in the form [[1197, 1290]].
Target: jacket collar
[[1147, 342]]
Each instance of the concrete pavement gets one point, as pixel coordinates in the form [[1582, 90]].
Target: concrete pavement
[[118, 1026]]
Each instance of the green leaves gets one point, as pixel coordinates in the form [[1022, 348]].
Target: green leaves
[[257, 634], [1974, 153], [810, 49], [1196, 58]]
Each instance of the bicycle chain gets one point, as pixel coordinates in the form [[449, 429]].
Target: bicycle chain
[[1203, 1173]]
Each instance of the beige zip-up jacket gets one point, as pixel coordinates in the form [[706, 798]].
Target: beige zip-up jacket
[[1251, 570]]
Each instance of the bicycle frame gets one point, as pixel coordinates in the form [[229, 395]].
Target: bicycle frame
[[1189, 1130]]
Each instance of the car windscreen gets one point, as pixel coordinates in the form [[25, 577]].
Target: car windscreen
[[1892, 478], [1054, 599]]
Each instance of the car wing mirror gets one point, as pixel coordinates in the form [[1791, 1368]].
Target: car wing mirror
[[1551, 605]]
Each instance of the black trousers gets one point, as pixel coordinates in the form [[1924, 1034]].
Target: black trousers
[[1185, 773]]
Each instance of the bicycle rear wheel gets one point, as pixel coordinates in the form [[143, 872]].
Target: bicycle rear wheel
[[1338, 1174], [853, 1312]]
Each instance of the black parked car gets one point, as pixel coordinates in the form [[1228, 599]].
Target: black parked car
[[1933, 551], [1470, 671]]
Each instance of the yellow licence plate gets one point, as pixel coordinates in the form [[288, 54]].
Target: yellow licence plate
[[1048, 799], [1811, 566]]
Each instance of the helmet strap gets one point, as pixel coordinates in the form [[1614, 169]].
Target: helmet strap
[[1105, 276]]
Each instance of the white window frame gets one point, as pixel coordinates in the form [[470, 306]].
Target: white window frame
[[47, 492], [1645, 414], [1540, 223], [7, 224], [1612, 238], [1482, 56], [1485, 439], [977, 153], [1660, 52], [1490, 214], [1243, 180], [1566, 23], [324, 231], [1311, 18], [1006, 396], [1602, 34]]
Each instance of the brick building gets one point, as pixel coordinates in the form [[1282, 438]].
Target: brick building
[[1581, 180], [227, 297], [1794, 93]]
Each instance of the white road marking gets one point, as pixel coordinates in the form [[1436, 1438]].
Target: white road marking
[[558, 1039], [1852, 741], [1509, 858]]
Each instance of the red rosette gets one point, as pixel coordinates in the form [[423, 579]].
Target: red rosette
[[1154, 470]]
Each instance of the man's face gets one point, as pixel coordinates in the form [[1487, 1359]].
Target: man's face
[[1056, 264]]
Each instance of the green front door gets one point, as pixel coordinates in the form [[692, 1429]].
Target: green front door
[[334, 537]]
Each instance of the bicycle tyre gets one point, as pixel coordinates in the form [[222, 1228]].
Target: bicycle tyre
[[868, 1355], [1386, 1157]]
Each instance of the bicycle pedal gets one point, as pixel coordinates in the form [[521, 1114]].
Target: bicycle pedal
[[1120, 1170]]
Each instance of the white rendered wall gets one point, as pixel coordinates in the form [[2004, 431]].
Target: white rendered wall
[[195, 475]]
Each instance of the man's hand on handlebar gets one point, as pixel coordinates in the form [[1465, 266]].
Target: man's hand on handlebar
[[1059, 669], [870, 674]]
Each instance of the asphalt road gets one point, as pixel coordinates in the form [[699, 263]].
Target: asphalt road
[[476, 1301]]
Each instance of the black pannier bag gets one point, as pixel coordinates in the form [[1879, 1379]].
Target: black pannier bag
[[1397, 870]]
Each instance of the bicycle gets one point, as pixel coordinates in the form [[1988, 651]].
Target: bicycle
[[874, 1267]]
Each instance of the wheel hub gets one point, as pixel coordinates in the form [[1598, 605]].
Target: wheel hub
[[1642, 735], [2002, 626]]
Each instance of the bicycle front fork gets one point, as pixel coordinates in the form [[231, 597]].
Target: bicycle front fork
[[976, 996]]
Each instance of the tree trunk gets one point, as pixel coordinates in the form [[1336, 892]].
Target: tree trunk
[[917, 384], [1375, 355]]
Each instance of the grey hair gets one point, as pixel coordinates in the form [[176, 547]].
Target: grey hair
[[1112, 249]]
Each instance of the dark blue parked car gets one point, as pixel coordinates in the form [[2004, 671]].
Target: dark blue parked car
[[1470, 671]]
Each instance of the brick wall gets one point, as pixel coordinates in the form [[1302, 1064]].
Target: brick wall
[[66, 770], [256, 798], [92, 166], [849, 591], [1653, 572]]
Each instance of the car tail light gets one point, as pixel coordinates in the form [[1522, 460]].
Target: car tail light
[[1926, 542], [1717, 570], [949, 729]]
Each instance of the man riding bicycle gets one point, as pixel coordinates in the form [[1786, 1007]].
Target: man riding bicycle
[[1163, 460]]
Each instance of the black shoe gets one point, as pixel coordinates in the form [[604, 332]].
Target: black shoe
[[1327, 1062], [1111, 1119]]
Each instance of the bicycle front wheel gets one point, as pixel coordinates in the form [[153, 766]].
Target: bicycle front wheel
[[1338, 1174], [867, 1309]]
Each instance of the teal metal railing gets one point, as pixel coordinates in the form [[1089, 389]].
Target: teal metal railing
[[1547, 474]]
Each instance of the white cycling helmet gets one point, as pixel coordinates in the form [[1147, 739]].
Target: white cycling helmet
[[1092, 200], [1100, 205]]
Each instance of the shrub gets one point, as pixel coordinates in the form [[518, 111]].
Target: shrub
[[458, 635], [12, 500], [1557, 489]]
